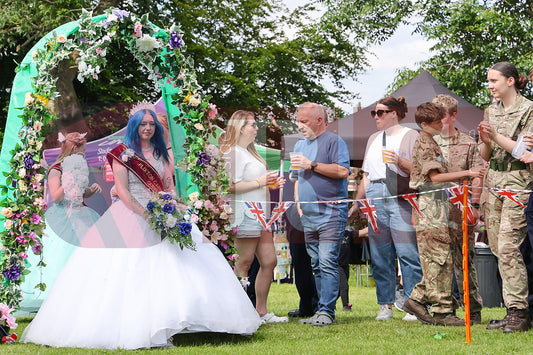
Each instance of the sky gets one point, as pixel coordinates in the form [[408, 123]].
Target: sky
[[403, 49]]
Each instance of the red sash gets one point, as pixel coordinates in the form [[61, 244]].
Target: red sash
[[140, 167]]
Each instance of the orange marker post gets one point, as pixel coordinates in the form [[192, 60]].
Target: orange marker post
[[466, 288]]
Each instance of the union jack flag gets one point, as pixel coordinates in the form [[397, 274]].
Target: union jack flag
[[278, 211], [368, 208], [511, 195], [257, 211], [456, 196], [411, 198]]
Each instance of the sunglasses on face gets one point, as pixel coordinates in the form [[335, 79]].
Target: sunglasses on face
[[379, 113]]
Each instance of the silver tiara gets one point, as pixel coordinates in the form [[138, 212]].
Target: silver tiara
[[142, 106]]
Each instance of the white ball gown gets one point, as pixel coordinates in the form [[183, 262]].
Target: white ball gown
[[139, 295], [67, 221]]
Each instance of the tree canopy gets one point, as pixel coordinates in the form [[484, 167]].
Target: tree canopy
[[248, 53], [471, 36]]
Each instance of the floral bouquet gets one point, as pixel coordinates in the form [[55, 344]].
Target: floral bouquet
[[7, 322], [167, 217]]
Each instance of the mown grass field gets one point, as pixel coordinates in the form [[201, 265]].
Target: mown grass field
[[356, 333]]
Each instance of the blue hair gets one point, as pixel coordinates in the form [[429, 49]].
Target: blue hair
[[133, 141]]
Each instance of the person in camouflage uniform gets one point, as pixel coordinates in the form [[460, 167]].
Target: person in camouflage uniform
[[505, 219], [429, 175], [461, 149]]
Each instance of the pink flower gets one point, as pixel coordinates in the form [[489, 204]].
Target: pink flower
[[194, 218], [168, 81], [233, 257], [33, 236], [36, 219], [6, 316], [214, 226], [20, 239], [212, 109], [98, 50], [235, 230], [208, 204], [23, 255], [224, 245], [137, 30], [198, 204]]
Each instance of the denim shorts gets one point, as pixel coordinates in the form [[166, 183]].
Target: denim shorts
[[249, 228]]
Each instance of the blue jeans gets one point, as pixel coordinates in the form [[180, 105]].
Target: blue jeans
[[390, 243], [323, 245]]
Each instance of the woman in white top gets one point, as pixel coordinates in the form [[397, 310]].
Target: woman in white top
[[248, 171], [390, 148]]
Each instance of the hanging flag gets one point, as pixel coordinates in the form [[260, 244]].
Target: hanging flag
[[257, 211], [456, 196], [368, 208], [411, 198], [278, 211], [511, 195]]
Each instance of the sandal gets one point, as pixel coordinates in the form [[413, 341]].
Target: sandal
[[309, 320], [322, 319]]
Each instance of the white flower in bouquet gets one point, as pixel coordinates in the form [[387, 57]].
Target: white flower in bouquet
[[171, 221]]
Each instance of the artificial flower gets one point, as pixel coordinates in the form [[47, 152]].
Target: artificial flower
[[7, 212], [175, 41], [6, 317], [146, 43], [37, 125], [8, 224], [185, 228], [137, 30], [212, 111], [28, 99], [198, 204], [194, 218], [193, 196], [171, 221], [61, 38], [195, 100], [199, 126]]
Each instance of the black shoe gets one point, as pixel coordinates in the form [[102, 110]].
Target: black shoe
[[297, 313], [294, 313]]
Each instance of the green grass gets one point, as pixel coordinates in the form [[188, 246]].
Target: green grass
[[356, 333]]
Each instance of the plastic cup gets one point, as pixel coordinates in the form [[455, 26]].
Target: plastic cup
[[386, 155], [293, 154], [272, 183]]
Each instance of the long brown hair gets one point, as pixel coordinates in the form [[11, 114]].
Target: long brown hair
[[72, 140], [237, 121]]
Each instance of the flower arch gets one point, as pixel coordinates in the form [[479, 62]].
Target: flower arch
[[161, 52]]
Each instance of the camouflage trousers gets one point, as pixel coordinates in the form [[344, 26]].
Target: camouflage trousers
[[436, 286], [476, 303], [506, 229]]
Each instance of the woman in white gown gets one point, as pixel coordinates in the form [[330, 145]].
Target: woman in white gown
[[125, 288]]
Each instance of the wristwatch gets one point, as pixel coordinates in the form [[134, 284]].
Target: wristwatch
[[313, 165]]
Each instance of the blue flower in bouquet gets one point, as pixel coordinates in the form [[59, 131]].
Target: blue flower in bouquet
[[28, 161], [175, 41], [150, 206], [185, 228], [168, 208], [13, 273], [167, 197], [203, 159]]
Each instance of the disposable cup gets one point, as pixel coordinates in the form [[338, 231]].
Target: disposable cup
[[292, 155]]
